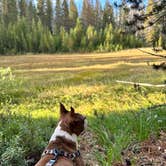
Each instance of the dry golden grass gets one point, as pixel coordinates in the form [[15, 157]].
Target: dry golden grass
[[75, 60], [48, 68]]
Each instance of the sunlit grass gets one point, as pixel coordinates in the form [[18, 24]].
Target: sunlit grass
[[118, 114]]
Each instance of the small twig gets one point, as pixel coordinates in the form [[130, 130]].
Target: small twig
[[142, 84]]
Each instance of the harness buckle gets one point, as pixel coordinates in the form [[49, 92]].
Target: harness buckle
[[55, 153], [73, 156], [51, 162]]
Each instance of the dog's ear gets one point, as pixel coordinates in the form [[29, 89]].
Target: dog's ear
[[72, 111], [63, 110]]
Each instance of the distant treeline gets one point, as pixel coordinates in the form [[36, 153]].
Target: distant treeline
[[26, 26]]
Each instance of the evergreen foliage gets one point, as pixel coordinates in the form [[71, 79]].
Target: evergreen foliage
[[152, 22], [40, 27], [73, 13], [49, 15], [108, 16]]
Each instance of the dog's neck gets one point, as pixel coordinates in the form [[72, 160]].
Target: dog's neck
[[59, 132]]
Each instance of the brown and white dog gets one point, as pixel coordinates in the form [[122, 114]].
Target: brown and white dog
[[62, 149]]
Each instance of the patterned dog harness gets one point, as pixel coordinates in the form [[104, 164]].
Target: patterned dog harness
[[56, 153]]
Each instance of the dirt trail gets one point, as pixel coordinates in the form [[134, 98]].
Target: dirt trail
[[89, 147], [151, 152]]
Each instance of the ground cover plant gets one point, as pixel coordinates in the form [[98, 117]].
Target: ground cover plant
[[118, 114]]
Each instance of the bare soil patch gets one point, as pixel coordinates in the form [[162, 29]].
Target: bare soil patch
[[89, 147], [151, 152]]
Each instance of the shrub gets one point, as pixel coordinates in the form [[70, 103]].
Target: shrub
[[13, 154], [9, 85]]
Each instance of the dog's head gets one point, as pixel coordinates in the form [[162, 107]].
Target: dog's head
[[72, 122]]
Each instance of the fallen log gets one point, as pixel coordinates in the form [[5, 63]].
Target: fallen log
[[142, 84]]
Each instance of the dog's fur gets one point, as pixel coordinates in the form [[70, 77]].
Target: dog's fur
[[70, 126]]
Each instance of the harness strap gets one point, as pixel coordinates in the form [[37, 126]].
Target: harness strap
[[56, 153]]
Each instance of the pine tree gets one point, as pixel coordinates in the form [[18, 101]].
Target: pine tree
[[23, 8], [49, 14], [19, 33], [73, 14], [148, 30], [41, 11], [108, 15], [152, 32], [98, 14], [87, 14], [78, 34], [10, 11], [123, 15], [108, 43], [13, 11], [155, 12], [32, 12], [35, 36], [64, 39], [58, 15], [5, 11], [91, 35], [70, 43], [65, 15], [1, 16], [155, 36]]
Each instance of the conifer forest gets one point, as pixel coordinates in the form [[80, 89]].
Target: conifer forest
[[47, 26]]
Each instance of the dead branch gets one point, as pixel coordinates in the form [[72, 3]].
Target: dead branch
[[158, 55], [142, 84]]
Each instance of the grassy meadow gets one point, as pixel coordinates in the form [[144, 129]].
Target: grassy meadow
[[118, 114]]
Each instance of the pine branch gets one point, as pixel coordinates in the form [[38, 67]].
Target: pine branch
[[154, 22]]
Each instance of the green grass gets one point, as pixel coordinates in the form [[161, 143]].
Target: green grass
[[117, 130], [118, 114]]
